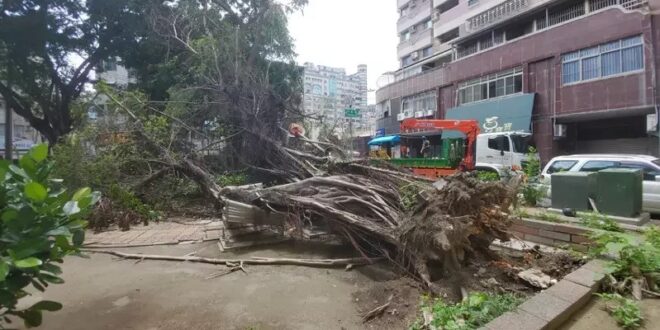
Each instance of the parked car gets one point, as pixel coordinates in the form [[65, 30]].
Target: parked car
[[592, 163]]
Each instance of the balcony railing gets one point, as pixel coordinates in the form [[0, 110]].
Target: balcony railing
[[496, 14], [626, 4]]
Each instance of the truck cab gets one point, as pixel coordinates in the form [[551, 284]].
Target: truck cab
[[502, 152]]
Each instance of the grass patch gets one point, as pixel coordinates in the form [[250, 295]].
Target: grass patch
[[599, 221], [474, 312], [550, 217]]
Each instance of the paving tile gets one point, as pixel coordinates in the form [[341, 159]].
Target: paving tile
[[553, 310], [597, 266], [586, 277], [569, 291], [517, 320]]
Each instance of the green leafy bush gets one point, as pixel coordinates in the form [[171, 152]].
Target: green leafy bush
[[532, 167], [41, 224], [532, 194], [625, 311], [233, 179], [638, 258], [488, 176], [472, 313]]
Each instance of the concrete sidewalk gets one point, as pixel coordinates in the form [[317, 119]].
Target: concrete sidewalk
[[104, 292]]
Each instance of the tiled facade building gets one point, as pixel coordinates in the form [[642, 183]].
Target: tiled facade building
[[591, 66]]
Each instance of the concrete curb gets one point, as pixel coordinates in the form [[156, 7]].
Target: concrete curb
[[552, 307]]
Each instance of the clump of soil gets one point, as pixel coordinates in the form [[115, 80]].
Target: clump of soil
[[401, 312], [480, 275]]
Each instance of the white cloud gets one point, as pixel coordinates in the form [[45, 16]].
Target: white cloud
[[345, 33]]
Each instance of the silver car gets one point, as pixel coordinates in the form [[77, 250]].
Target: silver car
[[595, 162]]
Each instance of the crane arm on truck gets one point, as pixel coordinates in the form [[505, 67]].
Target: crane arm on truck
[[468, 127]]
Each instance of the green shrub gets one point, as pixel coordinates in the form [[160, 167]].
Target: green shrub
[[472, 313], [532, 194], [488, 176], [532, 168], [233, 179], [599, 221], [41, 224], [625, 311]]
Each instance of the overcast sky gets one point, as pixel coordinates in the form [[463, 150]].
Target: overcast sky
[[345, 33]]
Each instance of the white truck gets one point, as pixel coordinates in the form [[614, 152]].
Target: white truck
[[502, 152]]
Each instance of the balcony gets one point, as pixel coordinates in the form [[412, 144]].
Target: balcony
[[418, 40], [416, 15], [400, 116], [496, 14]]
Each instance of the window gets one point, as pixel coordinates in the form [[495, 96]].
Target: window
[[597, 165], [421, 102], [492, 86], [405, 36], [499, 143], [649, 172], [406, 61], [472, 2], [426, 52], [561, 166], [604, 60], [428, 24]]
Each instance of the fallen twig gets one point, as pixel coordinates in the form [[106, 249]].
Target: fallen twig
[[229, 271], [377, 311], [252, 261]]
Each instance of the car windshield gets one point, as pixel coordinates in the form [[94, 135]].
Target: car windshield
[[657, 162], [520, 143]]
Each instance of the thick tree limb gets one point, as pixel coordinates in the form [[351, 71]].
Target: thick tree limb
[[253, 261]]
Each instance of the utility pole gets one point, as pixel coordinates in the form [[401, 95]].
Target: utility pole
[[9, 123]]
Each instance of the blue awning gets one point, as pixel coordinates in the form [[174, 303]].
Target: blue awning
[[506, 114], [392, 139]]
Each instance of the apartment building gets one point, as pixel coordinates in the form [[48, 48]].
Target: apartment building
[[24, 136], [581, 75], [328, 92]]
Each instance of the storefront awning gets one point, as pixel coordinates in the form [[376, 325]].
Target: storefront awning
[[392, 139], [506, 114]]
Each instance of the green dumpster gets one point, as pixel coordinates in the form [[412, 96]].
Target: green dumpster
[[573, 190], [619, 192]]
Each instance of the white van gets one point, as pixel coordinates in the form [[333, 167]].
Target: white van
[[591, 163]]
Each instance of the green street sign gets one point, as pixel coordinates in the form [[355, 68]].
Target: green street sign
[[352, 113]]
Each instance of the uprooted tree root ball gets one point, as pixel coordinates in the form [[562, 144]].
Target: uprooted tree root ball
[[447, 226]]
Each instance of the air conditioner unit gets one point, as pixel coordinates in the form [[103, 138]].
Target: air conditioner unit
[[429, 112], [652, 123], [414, 55], [419, 114], [400, 116], [560, 130]]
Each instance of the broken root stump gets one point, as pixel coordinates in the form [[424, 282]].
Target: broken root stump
[[253, 261]]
